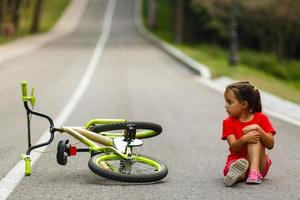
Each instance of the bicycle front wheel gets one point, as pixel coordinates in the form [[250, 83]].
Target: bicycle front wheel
[[136, 169]]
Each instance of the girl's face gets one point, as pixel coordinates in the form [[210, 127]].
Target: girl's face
[[233, 106]]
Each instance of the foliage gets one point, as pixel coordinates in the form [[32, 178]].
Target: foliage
[[11, 28], [263, 24], [164, 25]]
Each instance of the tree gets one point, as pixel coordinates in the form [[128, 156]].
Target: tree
[[2, 14], [37, 16], [276, 23], [179, 21], [212, 19], [152, 9], [262, 24], [16, 4], [233, 46]]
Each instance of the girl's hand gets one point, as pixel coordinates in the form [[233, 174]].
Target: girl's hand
[[252, 137], [252, 127]]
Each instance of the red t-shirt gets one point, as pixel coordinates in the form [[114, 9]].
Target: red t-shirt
[[233, 126]]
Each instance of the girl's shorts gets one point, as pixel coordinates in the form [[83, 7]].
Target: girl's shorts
[[264, 173]]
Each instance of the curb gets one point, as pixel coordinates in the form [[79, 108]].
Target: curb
[[273, 105], [66, 24]]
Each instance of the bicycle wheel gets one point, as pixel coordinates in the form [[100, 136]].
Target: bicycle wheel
[[152, 129], [138, 169]]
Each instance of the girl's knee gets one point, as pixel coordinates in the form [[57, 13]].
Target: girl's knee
[[258, 144]]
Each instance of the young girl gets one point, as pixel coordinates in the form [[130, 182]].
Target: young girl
[[248, 132]]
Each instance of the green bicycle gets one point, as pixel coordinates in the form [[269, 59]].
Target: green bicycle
[[117, 157]]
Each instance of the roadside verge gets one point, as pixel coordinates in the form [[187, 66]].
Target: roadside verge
[[66, 24]]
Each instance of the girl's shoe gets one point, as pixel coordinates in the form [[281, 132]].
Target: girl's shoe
[[254, 177], [237, 168]]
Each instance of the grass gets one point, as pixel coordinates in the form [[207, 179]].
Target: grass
[[52, 10], [216, 59]]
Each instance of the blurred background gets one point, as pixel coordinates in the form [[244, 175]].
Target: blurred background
[[257, 40], [22, 17]]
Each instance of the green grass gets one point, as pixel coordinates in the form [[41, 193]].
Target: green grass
[[52, 10], [217, 60]]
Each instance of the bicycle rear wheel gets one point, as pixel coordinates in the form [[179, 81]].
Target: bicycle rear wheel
[[137, 169]]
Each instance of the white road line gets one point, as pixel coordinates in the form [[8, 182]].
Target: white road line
[[13, 178]]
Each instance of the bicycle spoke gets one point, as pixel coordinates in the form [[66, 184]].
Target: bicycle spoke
[[134, 168]]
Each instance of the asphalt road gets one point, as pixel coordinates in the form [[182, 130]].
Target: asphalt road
[[137, 81]]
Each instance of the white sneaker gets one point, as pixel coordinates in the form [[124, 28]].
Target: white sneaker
[[237, 168]]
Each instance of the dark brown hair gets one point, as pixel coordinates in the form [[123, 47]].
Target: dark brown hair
[[245, 91]]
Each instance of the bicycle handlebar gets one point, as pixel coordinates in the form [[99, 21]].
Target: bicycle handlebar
[[31, 99], [25, 96]]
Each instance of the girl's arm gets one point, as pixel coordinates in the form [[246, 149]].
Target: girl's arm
[[266, 138], [236, 145]]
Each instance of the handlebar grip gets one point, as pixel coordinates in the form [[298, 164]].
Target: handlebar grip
[[27, 167], [27, 160], [24, 88]]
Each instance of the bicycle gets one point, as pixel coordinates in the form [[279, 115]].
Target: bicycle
[[117, 157]]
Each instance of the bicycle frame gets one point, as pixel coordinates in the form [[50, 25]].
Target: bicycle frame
[[89, 138], [81, 134]]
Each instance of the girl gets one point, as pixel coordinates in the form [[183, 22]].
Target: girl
[[248, 132]]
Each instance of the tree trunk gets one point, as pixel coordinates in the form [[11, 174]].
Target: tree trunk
[[37, 16], [279, 45], [2, 14], [152, 8], [179, 21], [233, 46], [16, 13]]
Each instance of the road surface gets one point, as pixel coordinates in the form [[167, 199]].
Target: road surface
[[134, 80]]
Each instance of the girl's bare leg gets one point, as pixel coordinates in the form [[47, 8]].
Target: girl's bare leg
[[256, 156]]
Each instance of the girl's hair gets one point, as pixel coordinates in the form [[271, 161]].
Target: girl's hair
[[245, 91]]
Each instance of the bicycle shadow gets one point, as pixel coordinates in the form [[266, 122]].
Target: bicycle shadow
[[83, 176], [98, 180]]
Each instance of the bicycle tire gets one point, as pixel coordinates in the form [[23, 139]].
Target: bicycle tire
[[121, 126], [98, 167], [61, 156]]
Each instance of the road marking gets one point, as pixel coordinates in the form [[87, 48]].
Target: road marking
[[13, 178]]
